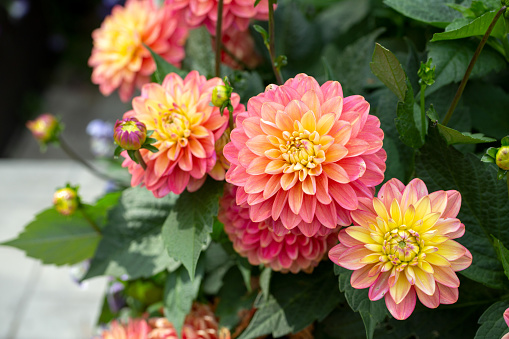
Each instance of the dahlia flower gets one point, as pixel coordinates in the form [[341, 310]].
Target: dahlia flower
[[506, 319], [260, 245], [236, 13], [186, 128], [401, 243], [134, 329], [242, 46], [303, 156], [119, 58]]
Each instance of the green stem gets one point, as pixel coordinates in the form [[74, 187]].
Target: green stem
[[219, 37], [423, 111], [90, 221], [140, 159], [73, 155], [272, 44], [471, 66], [505, 43]]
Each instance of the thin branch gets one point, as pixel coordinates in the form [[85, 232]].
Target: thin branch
[[219, 27], [272, 44]]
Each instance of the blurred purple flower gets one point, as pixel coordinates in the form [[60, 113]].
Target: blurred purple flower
[[101, 133]]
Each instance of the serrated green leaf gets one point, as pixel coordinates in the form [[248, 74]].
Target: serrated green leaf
[[452, 58], [64, 240], [455, 137], [132, 243], [372, 312], [492, 322], [503, 254], [408, 121], [433, 12], [217, 263], [477, 27], [163, 67], [484, 207], [179, 293], [387, 68], [186, 231], [294, 303]]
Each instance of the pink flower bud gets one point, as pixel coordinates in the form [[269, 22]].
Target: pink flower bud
[[130, 134], [66, 200], [45, 128]]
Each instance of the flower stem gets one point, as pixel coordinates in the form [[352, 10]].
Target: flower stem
[[142, 162], [423, 112], [219, 37], [90, 221], [73, 155], [272, 44], [471, 66]]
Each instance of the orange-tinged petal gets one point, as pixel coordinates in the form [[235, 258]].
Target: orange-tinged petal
[[288, 180], [325, 123], [424, 281], [351, 258], [276, 167], [380, 209], [361, 279], [336, 173], [259, 144], [335, 153], [295, 198], [311, 100], [422, 208], [400, 289], [308, 121]]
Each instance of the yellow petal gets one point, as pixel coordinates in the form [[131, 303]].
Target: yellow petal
[[396, 212], [380, 209]]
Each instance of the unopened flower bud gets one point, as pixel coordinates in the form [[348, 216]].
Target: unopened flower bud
[[220, 94], [130, 134], [502, 158], [66, 200], [45, 128]]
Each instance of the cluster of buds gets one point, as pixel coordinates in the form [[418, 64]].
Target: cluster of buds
[[426, 73], [131, 135], [66, 200], [500, 157], [45, 128]]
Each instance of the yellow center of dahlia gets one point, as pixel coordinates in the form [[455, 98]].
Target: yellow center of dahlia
[[401, 247], [175, 125]]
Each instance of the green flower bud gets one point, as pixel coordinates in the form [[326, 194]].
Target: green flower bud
[[66, 200], [45, 128], [426, 73], [502, 158], [220, 94]]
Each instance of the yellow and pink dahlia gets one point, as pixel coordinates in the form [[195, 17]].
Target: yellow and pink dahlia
[[186, 128], [119, 58], [401, 246], [256, 241], [236, 13], [303, 155]]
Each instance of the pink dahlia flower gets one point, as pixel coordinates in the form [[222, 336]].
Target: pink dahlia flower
[[260, 245], [236, 13], [506, 319], [186, 128], [134, 329], [401, 243], [242, 46], [119, 58], [303, 156]]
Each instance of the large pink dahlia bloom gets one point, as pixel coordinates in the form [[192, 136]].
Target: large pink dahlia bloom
[[134, 329], [303, 156], [260, 245], [119, 58], [236, 13], [401, 243], [186, 128]]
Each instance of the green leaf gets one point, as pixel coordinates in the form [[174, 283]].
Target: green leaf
[[294, 303], [433, 12], [265, 282], [233, 298], [199, 52], [503, 254], [387, 68], [63, 240], [455, 137], [408, 121], [372, 312], [163, 67], [484, 207], [492, 322], [132, 243], [186, 231], [217, 263], [452, 58], [179, 293], [341, 16], [477, 27]]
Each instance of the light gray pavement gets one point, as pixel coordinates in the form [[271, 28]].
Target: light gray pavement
[[41, 301]]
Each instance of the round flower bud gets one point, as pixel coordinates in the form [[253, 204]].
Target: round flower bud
[[130, 134], [66, 200], [502, 158], [220, 95], [45, 128]]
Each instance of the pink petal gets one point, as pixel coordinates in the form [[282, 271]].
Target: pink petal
[[453, 204], [307, 212], [463, 262], [404, 309], [351, 258], [326, 214], [295, 198], [429, 301], [344, 195], [361, 279], [448, 295], [380, 286], [446, 276], [336, 173]]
